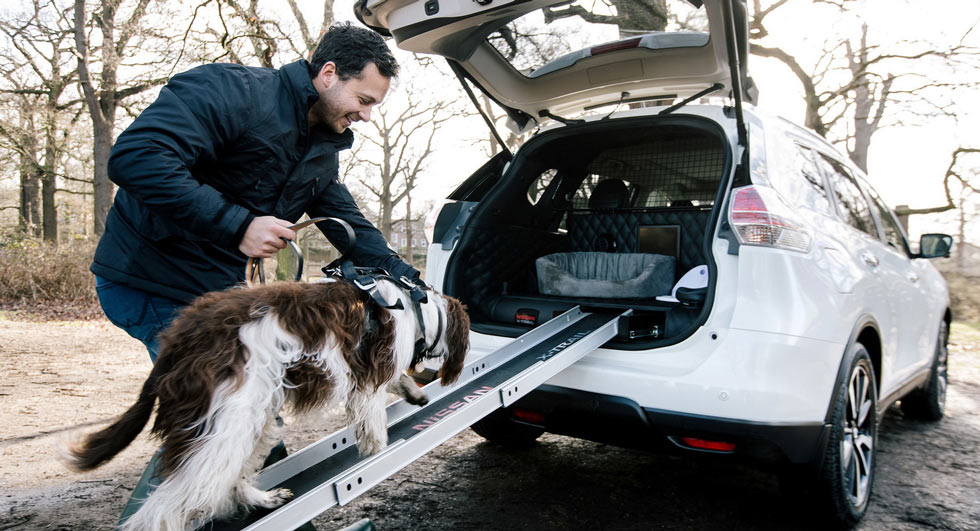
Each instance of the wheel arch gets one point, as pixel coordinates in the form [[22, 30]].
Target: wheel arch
[[867, 333]]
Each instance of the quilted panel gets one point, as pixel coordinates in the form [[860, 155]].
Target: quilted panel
[[494, 258], [617, 231]]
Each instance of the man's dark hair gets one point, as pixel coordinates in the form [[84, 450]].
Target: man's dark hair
[[351, 48]]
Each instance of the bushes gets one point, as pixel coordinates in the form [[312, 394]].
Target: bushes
[[36, 271], [964, 297]]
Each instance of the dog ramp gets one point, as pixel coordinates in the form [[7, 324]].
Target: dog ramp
[[329, 472]]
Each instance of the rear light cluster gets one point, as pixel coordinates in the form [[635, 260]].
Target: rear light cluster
[[760, 216]]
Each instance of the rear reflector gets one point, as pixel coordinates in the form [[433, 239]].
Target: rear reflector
[[702, 444], [615, 46], [761, 217], [528, 416]]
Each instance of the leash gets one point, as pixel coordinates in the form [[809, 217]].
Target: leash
[[255, 273]]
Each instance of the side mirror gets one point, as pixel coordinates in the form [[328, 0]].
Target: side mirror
[[935, 245]]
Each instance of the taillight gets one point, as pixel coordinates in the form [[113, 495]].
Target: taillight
[[759, 216]]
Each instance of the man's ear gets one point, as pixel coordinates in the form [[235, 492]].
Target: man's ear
[[327, 74]]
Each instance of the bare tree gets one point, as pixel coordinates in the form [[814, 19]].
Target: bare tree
[[119, 35], [394, 150], [403, 141], [40, 77], [255, 33], [18, 138], [634, 17], [856, 87]]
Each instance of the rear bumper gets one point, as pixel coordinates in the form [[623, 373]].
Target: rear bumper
[[622, 422]]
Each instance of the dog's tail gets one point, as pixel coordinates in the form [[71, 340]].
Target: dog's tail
[[95, 449]]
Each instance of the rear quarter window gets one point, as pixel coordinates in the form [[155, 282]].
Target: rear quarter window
[[851, 204], [797, 178]]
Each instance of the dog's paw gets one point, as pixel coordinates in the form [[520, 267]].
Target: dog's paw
[[274, 498], [370, 446], [417, 399]]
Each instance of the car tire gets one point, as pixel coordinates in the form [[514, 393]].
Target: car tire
[[499, 428], [846, 472], [929, 403]]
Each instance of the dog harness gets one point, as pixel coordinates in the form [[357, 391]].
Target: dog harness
[[365, 279]]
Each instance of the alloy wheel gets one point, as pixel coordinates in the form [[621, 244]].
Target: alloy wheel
[[857, 443], [942, 357]]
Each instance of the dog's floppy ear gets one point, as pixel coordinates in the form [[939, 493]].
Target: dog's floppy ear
[[457, 340]]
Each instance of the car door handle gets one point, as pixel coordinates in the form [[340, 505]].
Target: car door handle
[[869, 259], [913, 278]]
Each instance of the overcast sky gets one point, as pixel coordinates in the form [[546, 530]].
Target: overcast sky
[[906, 163]]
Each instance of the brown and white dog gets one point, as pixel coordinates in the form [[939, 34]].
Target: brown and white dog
[[233, 359]]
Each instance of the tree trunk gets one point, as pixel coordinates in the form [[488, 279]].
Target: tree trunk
[[101, 103], [48, 182], [864, 101], [30, 214], [385, 221], [102, 142]]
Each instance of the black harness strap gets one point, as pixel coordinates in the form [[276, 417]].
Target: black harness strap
[[366, 279]]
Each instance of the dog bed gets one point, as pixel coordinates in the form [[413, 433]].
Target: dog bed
[[605, 275]]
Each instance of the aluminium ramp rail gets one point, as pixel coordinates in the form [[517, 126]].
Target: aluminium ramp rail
[[330, 472]]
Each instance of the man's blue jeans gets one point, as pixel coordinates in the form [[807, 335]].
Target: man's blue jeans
[[141, 314]]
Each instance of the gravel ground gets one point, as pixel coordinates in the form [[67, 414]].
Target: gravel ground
[[59, 376]]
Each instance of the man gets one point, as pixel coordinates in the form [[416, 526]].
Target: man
[[222, 163], [217, 169]]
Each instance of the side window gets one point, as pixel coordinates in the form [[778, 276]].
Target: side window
[[539, 185], [852, 205], [893, 233]]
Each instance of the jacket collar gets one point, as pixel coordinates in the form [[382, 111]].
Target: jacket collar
[[304, 94]]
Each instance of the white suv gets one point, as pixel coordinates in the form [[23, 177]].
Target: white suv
[[777, 309]]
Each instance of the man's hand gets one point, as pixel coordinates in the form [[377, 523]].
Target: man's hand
[[263, 237]]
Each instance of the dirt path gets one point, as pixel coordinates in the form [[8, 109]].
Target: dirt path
[[54, 376]]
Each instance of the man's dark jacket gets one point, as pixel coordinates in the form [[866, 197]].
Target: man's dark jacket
[[221, 145]]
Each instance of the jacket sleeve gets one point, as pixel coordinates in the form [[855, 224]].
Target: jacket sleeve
[[197, 114], [371, 249]]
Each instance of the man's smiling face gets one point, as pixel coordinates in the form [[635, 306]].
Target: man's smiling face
[[343, 102]]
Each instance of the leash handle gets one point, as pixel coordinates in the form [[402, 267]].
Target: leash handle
[[255, 273]]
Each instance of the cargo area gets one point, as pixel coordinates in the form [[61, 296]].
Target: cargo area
[[608, 218]]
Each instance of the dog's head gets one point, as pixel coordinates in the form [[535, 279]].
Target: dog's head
[[444, 332], [449, 335]]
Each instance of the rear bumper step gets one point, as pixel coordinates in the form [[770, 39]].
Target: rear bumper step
[[620, 421]]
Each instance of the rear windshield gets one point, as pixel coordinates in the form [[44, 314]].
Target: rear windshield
[[550, 34]]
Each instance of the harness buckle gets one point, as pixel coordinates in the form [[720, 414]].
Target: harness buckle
[[366, 287]]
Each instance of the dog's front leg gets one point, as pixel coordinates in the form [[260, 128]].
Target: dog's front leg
[[366, 415], [405, 387]]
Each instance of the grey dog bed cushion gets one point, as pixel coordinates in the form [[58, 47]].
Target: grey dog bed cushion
[[606, 275]]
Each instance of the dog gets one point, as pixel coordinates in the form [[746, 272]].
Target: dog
[[232, 359]]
